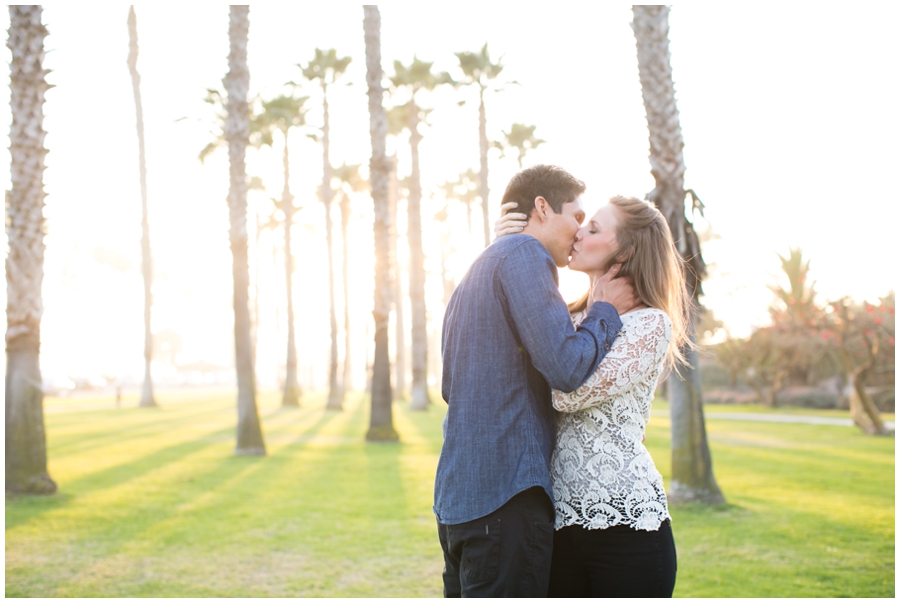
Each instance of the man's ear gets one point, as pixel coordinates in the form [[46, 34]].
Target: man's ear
[[541, 210]]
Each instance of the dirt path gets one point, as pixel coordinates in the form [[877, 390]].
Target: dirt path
[[777, 418]]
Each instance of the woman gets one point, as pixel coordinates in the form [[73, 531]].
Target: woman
[[613, 536]]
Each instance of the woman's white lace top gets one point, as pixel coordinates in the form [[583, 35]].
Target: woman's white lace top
[[602, 474]]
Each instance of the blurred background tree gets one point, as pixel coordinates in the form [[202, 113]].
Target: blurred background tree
[[349, 182], [521, 138], [147, 399], [465, 190], [479, 71], [808, 344], [282, 114], [414, 79], [237, 134], [326, 68], [381, 422], [862, 336]]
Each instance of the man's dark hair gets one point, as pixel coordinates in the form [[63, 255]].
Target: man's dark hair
[[551, 182]]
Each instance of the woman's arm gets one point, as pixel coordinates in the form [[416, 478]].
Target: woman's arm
[[634, 355]]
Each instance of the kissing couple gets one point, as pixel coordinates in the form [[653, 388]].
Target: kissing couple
[[544, 486]]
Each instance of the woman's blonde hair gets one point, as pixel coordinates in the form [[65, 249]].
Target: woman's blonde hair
[[649, 257]]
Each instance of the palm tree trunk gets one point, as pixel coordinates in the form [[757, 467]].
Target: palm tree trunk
[[291, 395], [483, 174], [147, 399], [397, 289], [347, 379], [26, 442], [692, 474], [446, 277], [419, 338], [335, 395], [255, 316], [237, 132], [381, 424]]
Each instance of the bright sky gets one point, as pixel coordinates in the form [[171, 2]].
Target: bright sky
[[788, 113]]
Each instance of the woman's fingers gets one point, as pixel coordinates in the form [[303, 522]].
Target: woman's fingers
[[613, 271], [510, 230], [507, 206], [510, 223]]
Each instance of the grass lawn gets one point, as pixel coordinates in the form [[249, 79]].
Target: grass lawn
[[153, 503]]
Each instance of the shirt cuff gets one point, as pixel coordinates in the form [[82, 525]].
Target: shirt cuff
[[603, 320]]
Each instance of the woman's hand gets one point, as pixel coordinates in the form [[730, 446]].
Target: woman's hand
[[509, 223], [617, 291]]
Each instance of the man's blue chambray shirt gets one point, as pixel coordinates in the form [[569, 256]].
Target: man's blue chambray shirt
[[507, 339]]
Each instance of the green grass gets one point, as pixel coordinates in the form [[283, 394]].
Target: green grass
[[153, 503]]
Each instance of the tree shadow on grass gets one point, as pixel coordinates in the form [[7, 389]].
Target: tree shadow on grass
[[146, 425], [384, 480], [245, 505], [115, 475]]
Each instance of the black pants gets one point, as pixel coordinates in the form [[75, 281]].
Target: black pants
[[503, 554], [615, 562]]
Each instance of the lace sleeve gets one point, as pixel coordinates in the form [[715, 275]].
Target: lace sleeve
[[635, 354]]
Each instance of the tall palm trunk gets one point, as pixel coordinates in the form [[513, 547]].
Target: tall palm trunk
[[255, 318], [419, 339], [26, 443], [483, 173], [692, 473], [146, 259], [237, 133], [335, 395], [347, 378], [291, 395], [446, 277], [381, 424], [397, 287]]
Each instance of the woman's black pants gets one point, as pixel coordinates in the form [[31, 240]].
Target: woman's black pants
[[616, 562]]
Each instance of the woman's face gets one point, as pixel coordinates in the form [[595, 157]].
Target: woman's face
[[595, 243]]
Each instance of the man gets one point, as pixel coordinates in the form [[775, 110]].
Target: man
[[507, 339]]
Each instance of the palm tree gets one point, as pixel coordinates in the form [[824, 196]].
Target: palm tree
[[327, 67], [381, 423], [396, 123], [442, 216], [146, 259], [416, 78], [464, 190], [478, 69], [692, 474], [256, 184], [237, 133], [521, 138], [349, 182], [26, 442], [283, 113]]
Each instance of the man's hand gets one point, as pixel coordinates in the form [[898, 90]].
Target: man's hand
[[616, 291]]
